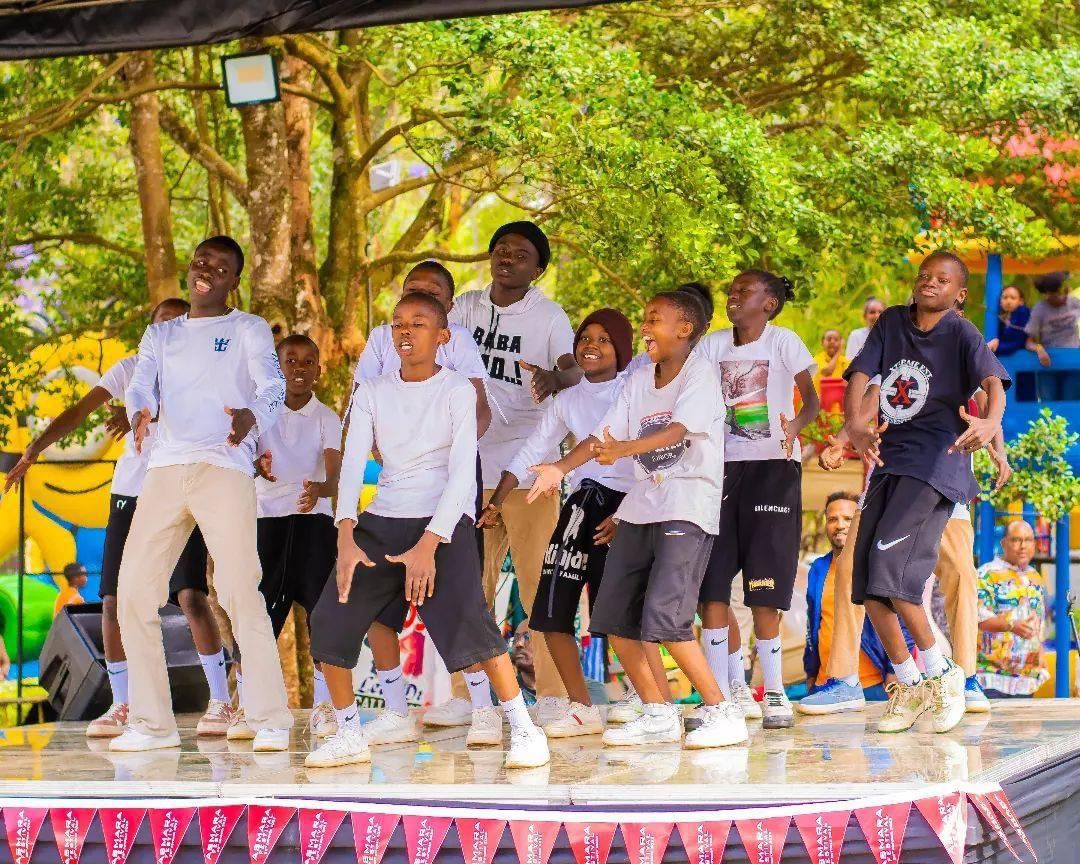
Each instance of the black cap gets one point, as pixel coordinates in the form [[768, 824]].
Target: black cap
[[531, 232]]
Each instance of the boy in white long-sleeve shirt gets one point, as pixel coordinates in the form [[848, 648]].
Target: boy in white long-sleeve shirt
[[213, 381]]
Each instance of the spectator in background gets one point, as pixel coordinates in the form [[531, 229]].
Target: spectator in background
[[1013, 316], [831, 363], [1011, 610], [1053, 324], [75, 577], [871, 311]]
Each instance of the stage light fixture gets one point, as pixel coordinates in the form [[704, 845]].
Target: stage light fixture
[[250, 79]]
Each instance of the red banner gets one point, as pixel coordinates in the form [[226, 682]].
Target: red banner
[[1001, 801], [590, 841], [167, 829], [646, 842], [371, 835], [534, 840], [705, 841], [119, 828], [317, 830], [883, 827], [22, 825], [986, 810], [947, 817], [479, 838], [70, 826], [764, 838], [823, 834], [424, 837], [264, 827], [216, 825]]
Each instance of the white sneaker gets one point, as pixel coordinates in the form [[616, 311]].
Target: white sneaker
[[271, 740], [528, 748], [550, 708], [391, 728], [456, 712], [348, 747], [133, 741], [323, 720], [579, 720], [486, 728], [216, 720], [663, 728], [721, 726], [906, 704], [110, 724], [946, 698], [626, 709], [239, 729], [777, 713], [741, 696]]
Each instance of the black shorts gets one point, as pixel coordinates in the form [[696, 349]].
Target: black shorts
[[297, 556], [760, 530], [572, 560], [652, 577], [900, 530], [456, 615], [190, 570]]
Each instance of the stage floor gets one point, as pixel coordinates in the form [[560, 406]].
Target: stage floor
[[819, 759]]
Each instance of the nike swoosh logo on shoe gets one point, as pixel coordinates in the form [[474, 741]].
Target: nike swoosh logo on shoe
[[884, 547]]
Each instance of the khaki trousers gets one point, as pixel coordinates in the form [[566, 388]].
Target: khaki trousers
[[221, 502], [525, 532], [956, 575]]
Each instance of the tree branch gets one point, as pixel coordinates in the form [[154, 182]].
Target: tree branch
[[203, 153], [419, 118], [377, 199], [86, 238], [395, 259], [598, 264]]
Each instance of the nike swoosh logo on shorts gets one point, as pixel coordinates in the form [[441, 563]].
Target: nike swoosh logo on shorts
[[884, 547]]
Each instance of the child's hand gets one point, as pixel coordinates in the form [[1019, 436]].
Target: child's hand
[[243, 421], [548, 480], [865, 440], [1044, 358], [117, 424], [313, 491], [264, 466], [1002, 468], [490, 517], [419, 563], [605, 531], [15, 474], [544, 382], [610, 450], [790, 434], [141, 428], [832, 457], [993, 345], [979, 433], [349, 557]]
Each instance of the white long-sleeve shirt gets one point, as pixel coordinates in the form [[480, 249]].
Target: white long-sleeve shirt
[[189, 371], [459, 354], [427, 438], [577, 411]]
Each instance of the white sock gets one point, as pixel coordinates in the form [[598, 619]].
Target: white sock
[[770, 654], [715, 640], [852, 680], [736, 666], [907, 672], [392, 684], [348, 717], [479, 690], [322, 692], [240, 689], [517, 715], [118, 681], [213, 666], [934, 661], [656, 709]]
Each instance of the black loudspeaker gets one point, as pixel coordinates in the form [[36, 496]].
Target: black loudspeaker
[[73, 672]]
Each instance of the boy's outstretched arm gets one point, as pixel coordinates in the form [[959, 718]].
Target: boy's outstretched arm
[[982, 430]]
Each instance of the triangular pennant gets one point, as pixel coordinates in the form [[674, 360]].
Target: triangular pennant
[[424, 837], [590, 841], [479, 838], [883, 827], [119, 827], [371, 835], [823, 834], [264, 827], [534, 840], [947, 817], [646, 842], [764, 838], [22, 825], [704, 842], [168, 826], [216, 825], [986, 810], [1001, 801], [317, 830], [70, 826]]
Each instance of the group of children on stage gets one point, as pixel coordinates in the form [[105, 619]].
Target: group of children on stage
[[686, 471]]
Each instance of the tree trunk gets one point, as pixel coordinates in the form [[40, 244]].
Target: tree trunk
[[145, 142]]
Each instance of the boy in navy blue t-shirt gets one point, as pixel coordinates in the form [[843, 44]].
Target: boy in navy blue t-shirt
[[930, 361]]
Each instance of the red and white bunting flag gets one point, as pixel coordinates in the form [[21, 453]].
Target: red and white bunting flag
[[823, 834], [1001, 802], [947, 817], [479, 838], [119, 828], [264, 827], [986, 810], [424, 837], [168, 826], [371, 835], [764, 838], [70, 826], [883, 827], [646, 842], [22, 825], [317, 830], [534, 840], [704, 841], [216, 825], [590, 841]]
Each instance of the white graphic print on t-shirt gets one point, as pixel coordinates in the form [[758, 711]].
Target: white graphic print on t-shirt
[[904, 391], [663, 458], [746, 388]]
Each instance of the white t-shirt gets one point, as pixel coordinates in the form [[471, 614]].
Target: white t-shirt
[[189, 370], [576, 411], [427, 438], [130, 468], [684, 482], [855, 341], [536, 330], [459, 354], [758, 381], [297, 445]]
